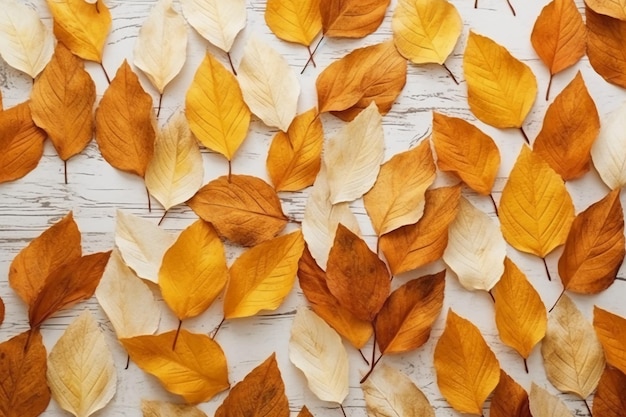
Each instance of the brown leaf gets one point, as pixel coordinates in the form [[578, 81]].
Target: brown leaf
[[594, 249], [374, 73], [405, 321], [304, 412], [509, 399], [610, 398], [605, 46], [352, 18], [72, 282], [21, 143], [62, 103], [242, 208], [124, 123], [260, 394], [56, 246], [611, 330], [356, 276], [24, 389], [416, 245]]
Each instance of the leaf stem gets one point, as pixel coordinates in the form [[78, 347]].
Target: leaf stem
[[367, 375], [180, 323], [588, 408], [495, 206], [127, 361], [525, 364], [106, 74], [217, 329], [342, 410], [230, 61], [511, 7], [65, 170], [450, 72], [545, 265], [149, 201], [475, 4], [159, 107], [162, 218], [549, 86], [525, 135], [230, 170], [311, 55], [491, 295], [557, 301], [308, 47], [364, 358]]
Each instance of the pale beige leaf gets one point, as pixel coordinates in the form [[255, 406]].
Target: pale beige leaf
[[609, 150], [544, 404], [217, 21], [164, 409], [81, 372], [316, 349]]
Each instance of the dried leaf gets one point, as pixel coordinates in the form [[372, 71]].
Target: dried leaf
[[214, 106], [610, 398], [466, 151], [413, 246], [25, 44], [536, 210], [521, 316], [612, 8], [405, 321], [605, 40], [124, 123], [352, 18], [262, 277], [544, 404], [594, 249], [509, 399], [316, 349], [425, 32], [62, 103], [217, 21], [175, 172], [304, 412], [389, 393], [165, 409], [398, 195], [572, 353], [611, 331], [294, 158], [476, 248], [609, 150], [260, 394], [294, 20], [81, 26], [467, 369], [356, 276], [500, 89], [195, 370], [570, 127], [81, 371], [194, 270], [375, 73], [269, 86], [242, 208]]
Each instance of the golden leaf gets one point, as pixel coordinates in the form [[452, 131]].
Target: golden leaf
[[262, 277], [536, 210], [294, 20], [467, 370], [509, 399], [352, 18], [611, 331], [613, 8], [500, 89], [165, 409], [605, 40], [217, 21], [544, 404], [610, 398]]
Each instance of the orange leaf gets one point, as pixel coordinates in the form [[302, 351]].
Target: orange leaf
[[294, 158], [605, 46], [356, 276], [467, 370], [570, 127], [509, 399], [405, 321], [315, 288], [466, 151], [304, 412], [352, 18], [610, 398], [413, 246], [195, 370], [260, 394], [294, 20], [124, 123], [24, 389], [612, 8], [21, 143], [374, 73], [242, 208], [611, 331]]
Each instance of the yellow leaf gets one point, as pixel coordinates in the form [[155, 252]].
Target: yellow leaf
[[544, 404], [610, 398], [611, 331], [500, 89], [165, 409], [536, 210], [294, 20], [262, 277], [81, 26], [352, 18], [398, 195], [214, 106], [217, 21], [509, 399], [605, 40], [426, 31], [613, 8], [194, 270], [467, 370]]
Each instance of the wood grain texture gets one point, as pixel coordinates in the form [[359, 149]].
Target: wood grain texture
[[96, 190]]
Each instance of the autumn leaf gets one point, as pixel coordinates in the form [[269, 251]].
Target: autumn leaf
[[406, 319], [509, 399], [413, 246], [476, 248], [572, 353], [500, 88], [611, 331], [398, 195], [164, 409], [216, 21], [195, 370], [81, 371], [242, 208], [570, 127], [594, 249], [356, 276], [294, 157], [544, 404], [467, 370], [536, 210], [215, 109], [352, 18], [475, 159], [263, 276], [81, 26], [610, 398], [316, 349], [304, 412], [609, 150], [375, 73], [605, 38], [294, 20], [613, 8], [24, 390], [125, 123], [194, 270]]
